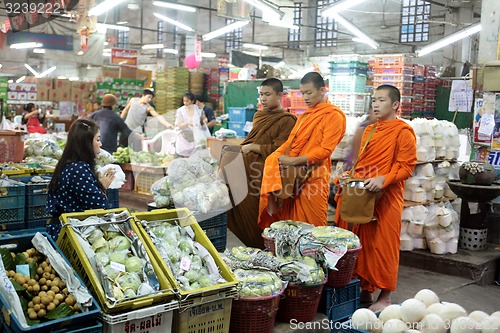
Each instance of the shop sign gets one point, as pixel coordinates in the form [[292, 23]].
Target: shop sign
[[197, 50], [124, 57], [52, 42], [495, 158]]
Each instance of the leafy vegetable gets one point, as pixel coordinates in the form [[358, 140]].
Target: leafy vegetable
[[62, 311]]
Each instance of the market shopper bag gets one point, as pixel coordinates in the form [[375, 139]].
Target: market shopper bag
[[358, 203]]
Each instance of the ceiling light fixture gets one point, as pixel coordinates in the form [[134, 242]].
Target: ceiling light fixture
[[174, 6], [340, 6], [62, 77], [174, 22], [47, 72], [31, 69], [152, 46], [208, 55], [104, 7], [362, 38], [10, 81], [74, 78], [225, 30], [26, 45], [21, 79], [122, 22], [172, 51], [256, 46], [265, 6], [104, 26], [1, 65], [467, 32], [39, 51]]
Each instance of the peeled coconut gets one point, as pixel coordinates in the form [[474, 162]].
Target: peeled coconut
[[464, 325], [495, 314], [451, 311], [364, 319], [435, 308], [393, 311], [394, 326], [490, 325], [478, 316], [427, 296], [413, 310], [432, 323], [413, 331]]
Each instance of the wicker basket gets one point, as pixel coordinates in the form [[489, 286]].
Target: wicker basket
[[300, 303], [254, 315], [345, 266], [269, 244]]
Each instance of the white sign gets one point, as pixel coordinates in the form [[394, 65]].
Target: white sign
[[461, 96], [197, 50]]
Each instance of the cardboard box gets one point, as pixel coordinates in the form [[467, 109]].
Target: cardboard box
[[44, 84], [64, 89], [54, 95], [43, 94]]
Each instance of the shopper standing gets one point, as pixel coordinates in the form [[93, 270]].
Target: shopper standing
[[207, 111], [75, 185], [33, 119], [271, 127], [188, 118], [385, 163], [137, 109], [312, 140]]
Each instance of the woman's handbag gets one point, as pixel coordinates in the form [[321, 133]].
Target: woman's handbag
[[358, 203]]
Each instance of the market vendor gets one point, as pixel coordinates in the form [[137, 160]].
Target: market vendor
[[75, 185], [33, 118]]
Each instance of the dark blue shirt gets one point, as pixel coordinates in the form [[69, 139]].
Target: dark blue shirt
[[77, 191], [110, 125], [209, 113]]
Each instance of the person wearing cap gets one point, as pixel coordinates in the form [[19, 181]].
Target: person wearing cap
[[110, 124]]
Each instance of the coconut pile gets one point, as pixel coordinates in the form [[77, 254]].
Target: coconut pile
[[425, 313]]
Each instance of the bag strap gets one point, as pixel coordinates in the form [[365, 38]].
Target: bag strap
[[362, 150], [295, 134]]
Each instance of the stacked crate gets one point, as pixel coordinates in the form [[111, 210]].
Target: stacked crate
[[430, 91], [212, 84], [196, 83], [295, 101], [418, 91], [396, 70], [170, 86], [348, 86], [238, 116]]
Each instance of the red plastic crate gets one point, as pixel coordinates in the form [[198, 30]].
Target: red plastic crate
[[419, 70], [401, 85], [296, 100], [11, 146], [393, 60], [285, 102], [394, 70]]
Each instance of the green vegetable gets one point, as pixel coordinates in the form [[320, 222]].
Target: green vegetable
[[119, 243], [119, 257], [33, 266], [129, 281], [133, 264], [8, 261], [62, 311], [20, 259]]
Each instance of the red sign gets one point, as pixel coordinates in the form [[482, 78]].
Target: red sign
[[124, 57]]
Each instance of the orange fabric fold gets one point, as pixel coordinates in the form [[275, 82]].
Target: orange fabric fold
[[391, 153], [321, 131]]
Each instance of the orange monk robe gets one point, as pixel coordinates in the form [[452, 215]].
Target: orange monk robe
[[321, 130], [391, 152]]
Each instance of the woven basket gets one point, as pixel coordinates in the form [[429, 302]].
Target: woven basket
[[300, 303], [345, 266], [269, 244], [254, 315]]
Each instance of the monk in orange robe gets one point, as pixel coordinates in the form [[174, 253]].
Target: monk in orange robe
[[386, 162], [311, 143]]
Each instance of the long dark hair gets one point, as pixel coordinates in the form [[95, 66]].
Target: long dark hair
[[79, 148]]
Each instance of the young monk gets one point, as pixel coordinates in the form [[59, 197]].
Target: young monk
[[387, 161], [271, 127], [315, 135]]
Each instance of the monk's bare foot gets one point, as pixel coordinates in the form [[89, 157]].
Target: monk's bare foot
[[365, 297], [383, 301]]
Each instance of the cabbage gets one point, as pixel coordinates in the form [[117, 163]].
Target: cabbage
[[129, 281], [186, 247], [134, 264], [111, 272], [129, 293], [119, 257], [112, 234], [100, 245], [95, 236], [103, 258], [119, 243]]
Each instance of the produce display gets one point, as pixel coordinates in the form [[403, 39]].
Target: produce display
[[436, 139], [425, 313], [42, 145], [257, 283], [104, 158], [128, 155]]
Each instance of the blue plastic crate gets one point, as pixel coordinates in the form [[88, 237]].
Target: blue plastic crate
[[340, 303], [113, 198], [348, 83], [418, 78], [12, 203], [36, 198], [214, 226], [19, 243], [348, 70], [219, 243], [240, 115], [37, 223], [87, 328], [238, 128]]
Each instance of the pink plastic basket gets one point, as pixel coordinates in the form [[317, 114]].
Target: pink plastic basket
[[345, 267]]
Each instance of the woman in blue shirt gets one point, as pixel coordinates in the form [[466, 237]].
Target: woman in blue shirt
[[75, 185]]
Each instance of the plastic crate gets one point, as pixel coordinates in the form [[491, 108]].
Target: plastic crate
[[296, 99], [219, 243], [11, 146], [214, 224], [340, 303], [203, 315], [393, 77], [348, 83], [12, 206], [393, 60], [157, 319], [95, 327], [348, 70], [238, 128], [240, 115], [113, 198], [348, 64], [419, 78], [37, 223], [403, 86], [36, 198], [20, 243], [351, 103], [184, 217], [69, 244], [394, 70], [144, 180], [15, 169]]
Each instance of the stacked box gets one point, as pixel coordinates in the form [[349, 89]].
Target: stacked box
[[354, 83], [35, 214], [430, 88], [238, 116], [12, 205], [212, 84]]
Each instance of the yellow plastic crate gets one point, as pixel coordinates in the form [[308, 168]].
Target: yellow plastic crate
[[23, 170], [187, 218], [70, 246], [143, 182]]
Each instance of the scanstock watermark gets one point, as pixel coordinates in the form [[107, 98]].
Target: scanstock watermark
[[25, 14]]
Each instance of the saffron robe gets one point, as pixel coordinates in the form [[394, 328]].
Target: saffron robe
[[270, 129], [391, 152], [320, 131]]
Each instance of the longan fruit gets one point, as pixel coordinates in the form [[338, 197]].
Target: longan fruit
[[65, 291], [70, 300], [45, 300], [17, 276], [51, 306], [55, 289], [44, 288], [42, 306], [36, 300], [39, 270], [31, 282], [26, 254], [30, 310], [75, 307], [30, 288], [37, 277], [56, 302], [43, 265], [48, 283], [52, 276], [51, 293], [13, 255], [36, 307], [47, 269], [33, 315], [11, 273], [30, 260], [42, 293], [30, 305], [36, 288], [61, 284], [42, 313], [25, 285], [59, 297]]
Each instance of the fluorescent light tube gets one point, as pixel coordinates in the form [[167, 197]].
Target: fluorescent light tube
[[62, 77], [10, 81], [104, 7], [31, 69], [353, 29], [224, 30], [208, 55], [40, 51], [1, 65], [48, 71], [172, 51], [340, 6], [122, 22], [152, 46], [265, 6], [256, 46], [26, 45], [74, 78], [105, 54], [469, 31], [101, 26], [174, 22], [21, 79], [174, 6]]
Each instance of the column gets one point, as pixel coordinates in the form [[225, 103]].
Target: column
[[490, 24]]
